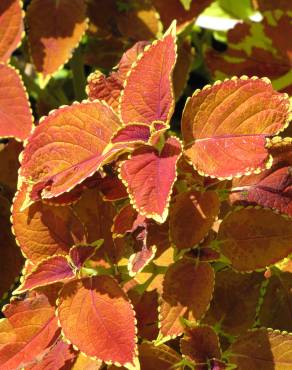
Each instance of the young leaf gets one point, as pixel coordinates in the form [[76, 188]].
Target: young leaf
[[187, 292], [134, 132], [255, 238], [192, 215], [29, 329], [11, 260], [271, 188], [11, 27], [235, 301], [79, 254], [262, 349], [200, 344], [225, 126], [15, 117], [148, 94], [54, 30], [126, 221], [139, 260], [57, 157], [86, 309], [49, 271], [42, 230], [148, 186]]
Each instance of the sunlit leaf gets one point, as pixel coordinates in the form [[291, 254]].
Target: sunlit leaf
[[151, 98], [54, 30], [139, 260], [255, 238], [11, 27], [15, 115], [79, 254], [148, 186], [192, 215], [224, 126], [86, 309], [57, 157], [262, 349], [187, 292], [42, 230], [86, 363]]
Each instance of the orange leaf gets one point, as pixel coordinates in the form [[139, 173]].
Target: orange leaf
[[54, 30], [15, 115], [11, 27], [96, 317]]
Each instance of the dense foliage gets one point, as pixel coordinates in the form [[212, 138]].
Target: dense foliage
[[146, 211]]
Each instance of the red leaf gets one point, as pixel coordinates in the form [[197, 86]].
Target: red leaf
[[54, 30], [86, 309], [149, 187], [134, 132], [139, 260], [271, 188], [148, 94], [48, 271], [57, 158], [29, 329], [15, 115], [127, 221], [224, 126], [187, 292], [192, 215], [11, 27], [42, 230], [79, 254]]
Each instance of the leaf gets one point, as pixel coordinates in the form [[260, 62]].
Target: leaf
[[200, 344], [255, 238], [235, 301], [271, 188], [79, 254], [11, 260], [150, 98], [262, 349], [49, 271], [86, 309], [139, 260], [187, 292], [9, 168], [56, 158], [153, 358], [11, 27], [60, 356], [112, 188], [55, 29], [109, 88], [126, 221], [192, 215], [29, 329], [275, 311], [42, 230], [224, 126], [148, 187], [15, 117], [86, 363], [174, 9], [134, 132]]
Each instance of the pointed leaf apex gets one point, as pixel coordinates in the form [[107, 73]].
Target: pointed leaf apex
[[171, 29]]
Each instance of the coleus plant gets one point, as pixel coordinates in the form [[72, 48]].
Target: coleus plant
[[134, 236]]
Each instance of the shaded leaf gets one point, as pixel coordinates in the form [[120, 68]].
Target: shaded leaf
[[255, 238], [86, 309], [42, 230], [235, 301], [153, 358], [192, 215], [224, 126], [15, 118], [79, 254], [139, 260], [262, 349], [200, 344], [151, 98], [55, 159], [11, 260], [48, 271], [275, 311], [55, 29], [148, 187], [126, 221], [187, 292], [11, 27], [30, 328]]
